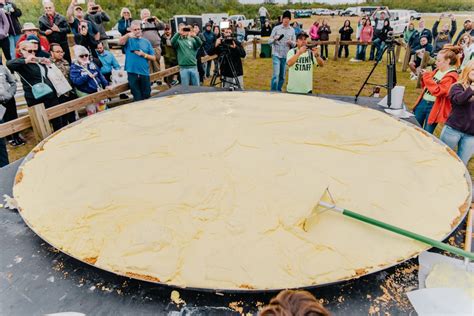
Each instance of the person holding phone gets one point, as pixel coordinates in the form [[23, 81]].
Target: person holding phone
[[32, 71], [186, 44], [151, 26], [75, 15], [419, 50], [445, 36], [55, 27], [138, 51], [97, 16], [282, 39], [84, 38], [13, 14], [434, 105], [86, 77]]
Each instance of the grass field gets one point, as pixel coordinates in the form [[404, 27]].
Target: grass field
[[336, 77]]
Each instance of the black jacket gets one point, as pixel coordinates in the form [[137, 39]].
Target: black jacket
[[266, 30], [88, 42], [55, 37], [346, 34], [235, 58], [383, 35], [15, 25], [32, 73], [324, 32], [99, 19]]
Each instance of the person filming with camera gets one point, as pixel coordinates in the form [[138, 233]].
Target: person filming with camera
[[186, 44], [300, 61], [230, 52]]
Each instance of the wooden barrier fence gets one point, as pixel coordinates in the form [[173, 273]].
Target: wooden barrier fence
[[39, 116]]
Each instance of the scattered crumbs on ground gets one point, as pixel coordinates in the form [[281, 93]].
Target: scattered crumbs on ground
[[92, 288], [50, 279], [124, 284], [219, 293], [176, 299], [394, 289], [237, 306], [106, 289], [9, 276], [340, 299], [18, 259], [119, 291], [58, 265]]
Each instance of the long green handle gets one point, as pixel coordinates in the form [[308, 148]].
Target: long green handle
[[410, 234]]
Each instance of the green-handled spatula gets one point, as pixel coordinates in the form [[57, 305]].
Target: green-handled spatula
[[394, 229]]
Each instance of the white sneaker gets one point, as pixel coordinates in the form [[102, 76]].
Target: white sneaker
[[355, 60]]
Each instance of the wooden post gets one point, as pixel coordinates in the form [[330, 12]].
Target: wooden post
[[424, 63], [39, 121], [397, 53], [336, 48], [254, 42], [406, 60]]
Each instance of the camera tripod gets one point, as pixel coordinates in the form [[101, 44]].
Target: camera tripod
[[234, 81], [391, 72]]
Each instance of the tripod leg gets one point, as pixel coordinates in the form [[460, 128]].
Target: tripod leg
[[366, 80]]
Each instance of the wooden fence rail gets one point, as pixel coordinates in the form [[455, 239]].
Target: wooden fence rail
[[42, 116]]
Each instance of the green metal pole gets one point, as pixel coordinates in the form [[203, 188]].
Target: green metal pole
[[410, 234]]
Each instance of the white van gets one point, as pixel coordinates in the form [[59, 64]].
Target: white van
[[399, 20]]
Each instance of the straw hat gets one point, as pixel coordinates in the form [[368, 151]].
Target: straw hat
[[28, 26]]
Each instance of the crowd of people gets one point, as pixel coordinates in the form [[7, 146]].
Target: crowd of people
[[40, 54]]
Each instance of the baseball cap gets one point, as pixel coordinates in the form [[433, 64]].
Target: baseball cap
[[33, 39], [302, 35]]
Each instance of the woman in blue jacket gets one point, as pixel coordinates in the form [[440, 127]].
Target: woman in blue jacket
[[87, 78], [125, 22]]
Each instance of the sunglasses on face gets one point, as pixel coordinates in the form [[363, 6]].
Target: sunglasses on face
[[31, 51], [84, 56]]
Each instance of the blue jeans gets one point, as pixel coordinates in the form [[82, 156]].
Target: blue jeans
[[422, 111], [361, 52], [375, 46], [278, 78], [13, 40], [189, 76], [140, 86], [380, 51], [464, 142], [207, 68]]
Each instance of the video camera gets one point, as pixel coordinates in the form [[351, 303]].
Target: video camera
[[391, 39], [226, 40]]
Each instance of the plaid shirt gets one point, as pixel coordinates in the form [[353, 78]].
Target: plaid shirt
[[62, 65], [281, 48]]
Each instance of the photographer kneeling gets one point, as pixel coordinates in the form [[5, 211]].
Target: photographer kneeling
[[300, 61], [229, 52]]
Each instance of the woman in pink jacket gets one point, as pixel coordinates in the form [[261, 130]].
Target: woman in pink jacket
[[365, 36], [313, 31]]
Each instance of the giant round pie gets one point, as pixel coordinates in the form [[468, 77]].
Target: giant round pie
[[209, 190]]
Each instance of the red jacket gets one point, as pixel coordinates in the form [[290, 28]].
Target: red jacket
[[442, 106], [43, 43]]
